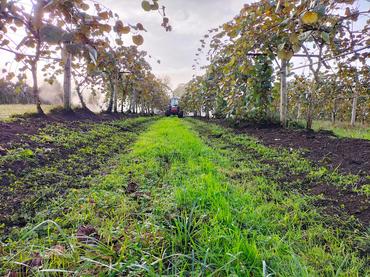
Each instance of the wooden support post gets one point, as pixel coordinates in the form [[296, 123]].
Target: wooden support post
[[67, 86], [283, 94]]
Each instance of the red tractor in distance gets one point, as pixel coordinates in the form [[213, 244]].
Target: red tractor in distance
[[174, 108]]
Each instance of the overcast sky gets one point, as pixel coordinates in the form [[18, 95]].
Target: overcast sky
[[191, 19]]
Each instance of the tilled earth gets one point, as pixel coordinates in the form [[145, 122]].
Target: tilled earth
[[348, 156], [44, 157], [343, 154], [15, 131]]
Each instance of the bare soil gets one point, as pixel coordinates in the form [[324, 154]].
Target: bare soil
[[15, 131], [346, 155], [20, 201]]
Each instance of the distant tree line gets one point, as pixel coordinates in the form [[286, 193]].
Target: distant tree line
[[21, 93], [11, 93]]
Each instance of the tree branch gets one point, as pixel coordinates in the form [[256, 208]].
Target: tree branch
[[28, 55]]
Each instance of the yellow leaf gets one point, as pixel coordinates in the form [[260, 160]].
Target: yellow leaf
[[155, 6], [119, 41], [138, 39], [227, 27], [146, 6], [233, 34], [125, 30], [5, 42], [84, 6], [105, 28], [120, 28], [10, 76], [285, 54], [294, 38], [296, 48], [104, 15], [310, 18]]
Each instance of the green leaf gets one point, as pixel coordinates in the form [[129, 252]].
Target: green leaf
[[325, 36], [74, 49], [51, 34], [146, 6]]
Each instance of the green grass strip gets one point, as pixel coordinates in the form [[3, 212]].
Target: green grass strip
[[171, 209]]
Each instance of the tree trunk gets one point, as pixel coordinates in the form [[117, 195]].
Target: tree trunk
[[67, 87], [333, 117], [110, 105], [334, 112], [130, 105], [299, 110], [314, 87], [134, 99], [35, 88], [354, 107], [309, 116], [283, 94], [122, 104], [115, 101], [309, 119], [207, 113], [79, 94], [123, 98]]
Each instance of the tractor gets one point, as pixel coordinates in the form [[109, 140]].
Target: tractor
[[174, 108]]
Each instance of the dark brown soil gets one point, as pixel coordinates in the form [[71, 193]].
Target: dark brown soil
[[343, 154], [347, 155], [13, 132], [336, 200], [16, 207]]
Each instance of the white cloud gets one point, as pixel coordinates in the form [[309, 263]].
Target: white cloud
[[191, 19]]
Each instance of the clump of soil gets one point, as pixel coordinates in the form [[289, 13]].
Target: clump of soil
[[87, 234], [132, 188]]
